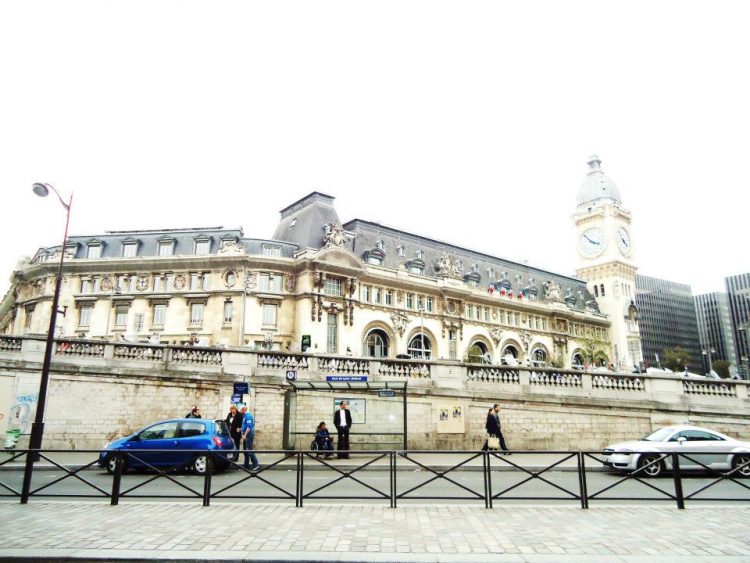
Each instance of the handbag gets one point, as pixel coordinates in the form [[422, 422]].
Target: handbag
[[493, 442]]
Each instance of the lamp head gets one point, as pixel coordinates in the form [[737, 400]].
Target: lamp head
[[40, 189]]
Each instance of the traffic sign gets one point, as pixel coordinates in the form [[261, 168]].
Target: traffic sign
[[291, 375]]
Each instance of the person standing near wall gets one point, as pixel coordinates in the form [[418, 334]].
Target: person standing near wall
[[493, 428], [194, 413], [234, 422], [248, 435], [342, 420]]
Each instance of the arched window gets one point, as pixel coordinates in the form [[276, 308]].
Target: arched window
[[510, 355], [376, 344], [577, 361], [539, 358], [420, 347], [478, 353]]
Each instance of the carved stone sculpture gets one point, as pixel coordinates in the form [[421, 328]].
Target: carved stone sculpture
[[231, 247], [447, 266], [552, 291], [334, 236], [399, 320]]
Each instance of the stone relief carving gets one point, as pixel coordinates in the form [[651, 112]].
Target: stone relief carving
[[231, 247], [399, 320], [453, 325], [141, 283], [179, 281], [552, 291], [448, 265], [229, 277], [251, 280], [497, 335], [106, 283], [525, 340], [334, 236], [290, 282]]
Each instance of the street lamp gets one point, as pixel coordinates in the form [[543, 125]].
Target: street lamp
[[37, 428]]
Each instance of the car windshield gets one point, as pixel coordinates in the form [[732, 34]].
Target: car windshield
[[659, 436], [221, 428]]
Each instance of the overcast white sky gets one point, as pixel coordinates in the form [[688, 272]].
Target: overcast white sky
[[469, 122]]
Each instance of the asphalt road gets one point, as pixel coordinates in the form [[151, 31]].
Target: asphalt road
[[417, 485]]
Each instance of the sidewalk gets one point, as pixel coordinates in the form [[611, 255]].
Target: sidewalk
[[85, 531]]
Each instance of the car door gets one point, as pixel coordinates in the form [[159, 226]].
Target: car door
[[192, 435], [701, 448], [156, 445]]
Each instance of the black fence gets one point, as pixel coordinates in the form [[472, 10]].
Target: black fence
[[395, 477]]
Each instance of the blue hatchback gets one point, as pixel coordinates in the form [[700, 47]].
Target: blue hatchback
[[181, 443]]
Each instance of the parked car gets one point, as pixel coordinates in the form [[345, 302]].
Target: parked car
[[178, 443], [712, 449]]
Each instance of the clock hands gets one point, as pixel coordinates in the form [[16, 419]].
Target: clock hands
[[592, 241]]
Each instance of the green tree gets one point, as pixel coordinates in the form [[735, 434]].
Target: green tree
[[722, 368], [675, 358], [593, 351]]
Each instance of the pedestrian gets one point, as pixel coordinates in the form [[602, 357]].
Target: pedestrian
[[248, 435], [194, 413], [493, 428], [342, 420], [324, 440], [234, 422]]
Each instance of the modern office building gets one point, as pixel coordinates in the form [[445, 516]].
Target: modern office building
[[715, 328], [667, 319], [738, 294]]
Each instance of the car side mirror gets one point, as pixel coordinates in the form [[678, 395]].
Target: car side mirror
[[682, 440]]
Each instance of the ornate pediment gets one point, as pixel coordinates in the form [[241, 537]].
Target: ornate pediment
[[338, 256]]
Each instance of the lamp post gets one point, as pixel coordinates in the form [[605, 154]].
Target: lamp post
[[744, 360], [37, 428]]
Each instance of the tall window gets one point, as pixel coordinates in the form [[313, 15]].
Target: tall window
[[409, 300], [86, 285], [452, 345], [366, 293], [196, 313], [333, 287], [138, 322], [376, 344], [160, 313], [332, 334], [270, 282], [269, 315], [377, 295], [429, 304], [389, 297], [94, 251], [166, 248], [203, 246], [121, 316], [84, 315], [227, 311], [29, 315], [129, 249], [420, 347]]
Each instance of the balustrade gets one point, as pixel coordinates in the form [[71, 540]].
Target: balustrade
[[555, 379], [195, 355], [344, 365], [10, 344], [404, 368], [617, 382], [134, 352], [715, 388], [283, 361], [79, 348], [494, 374]]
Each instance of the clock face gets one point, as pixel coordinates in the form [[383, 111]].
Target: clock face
[[592, 242], [623, 241]]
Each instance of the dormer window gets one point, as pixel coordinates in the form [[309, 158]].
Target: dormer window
[[491, 274], [420, 254], [94, 249], [271, 250], [375, 256], [401, 249], [415, 266], [130, 248], [474, 277], [202, 245], [380, 245], [166, 246]]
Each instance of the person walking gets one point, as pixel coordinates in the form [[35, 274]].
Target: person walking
[[248, 435], [493, 428], [194, 413], [234, 422], [342, 420]]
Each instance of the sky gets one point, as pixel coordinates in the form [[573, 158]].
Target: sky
[[467, 122]]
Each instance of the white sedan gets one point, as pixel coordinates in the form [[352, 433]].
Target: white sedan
[[701, 449]]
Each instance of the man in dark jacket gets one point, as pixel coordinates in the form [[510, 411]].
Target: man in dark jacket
[[493, 427], [342, 420], [234, 422]]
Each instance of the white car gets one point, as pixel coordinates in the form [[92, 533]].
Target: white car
[[712, 449]]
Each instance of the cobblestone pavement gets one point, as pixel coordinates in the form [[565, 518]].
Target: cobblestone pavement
[[136, 531]]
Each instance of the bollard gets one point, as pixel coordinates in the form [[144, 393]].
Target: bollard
[[119, 465], [677, 481], [207, 481]]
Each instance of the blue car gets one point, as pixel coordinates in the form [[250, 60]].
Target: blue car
[[181, 443]]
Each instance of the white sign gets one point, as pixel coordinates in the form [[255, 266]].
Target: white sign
[[358, 408]]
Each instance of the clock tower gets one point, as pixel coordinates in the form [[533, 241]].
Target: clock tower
[[607, 261]]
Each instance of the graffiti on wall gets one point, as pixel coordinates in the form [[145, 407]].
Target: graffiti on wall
[[19, 416]]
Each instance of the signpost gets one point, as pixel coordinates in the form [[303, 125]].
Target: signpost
[[240, 388]]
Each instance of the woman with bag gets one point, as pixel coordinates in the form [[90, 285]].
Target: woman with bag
[[495, 438]]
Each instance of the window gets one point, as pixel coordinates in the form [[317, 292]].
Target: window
[[376, 344], [94, 251], [270, 282], [203, 246], [196, 313], [129, 249], [374, 260], [166, 248], [389, 297], [487, 314], [416, 269], [196, 281], [401, 249], [429, 304], [420, 347], [161, 431], [84, 315], [29, 315], [227, 312], [138, 322], [86, 285], [160, 312], [121, 316], [269, 314], [332, 287], [539, 358], [469, 311], [409, 300], [332, 333], [452, 345], [366, 293], [601, 289], [271, 250], [420, 302]]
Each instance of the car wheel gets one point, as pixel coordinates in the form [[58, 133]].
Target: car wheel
[[739, 460], [655, 468], [112, 463], [200, 465]]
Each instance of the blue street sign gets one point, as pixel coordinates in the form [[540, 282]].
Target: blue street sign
[[346, 378], [236, 399], [241, 387], [291, 375]]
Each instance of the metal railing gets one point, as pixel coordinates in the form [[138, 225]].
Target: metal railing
[[486, 477]]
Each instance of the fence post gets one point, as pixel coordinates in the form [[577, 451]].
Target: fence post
[[677, 480], [488, 476], [119, 464], [28, 471], [392, 472], [582, 480], [300, 477], [207, 481]]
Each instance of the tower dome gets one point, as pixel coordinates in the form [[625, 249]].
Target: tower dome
[[596, 185]]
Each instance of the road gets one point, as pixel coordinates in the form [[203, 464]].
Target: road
[[413, 484]]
